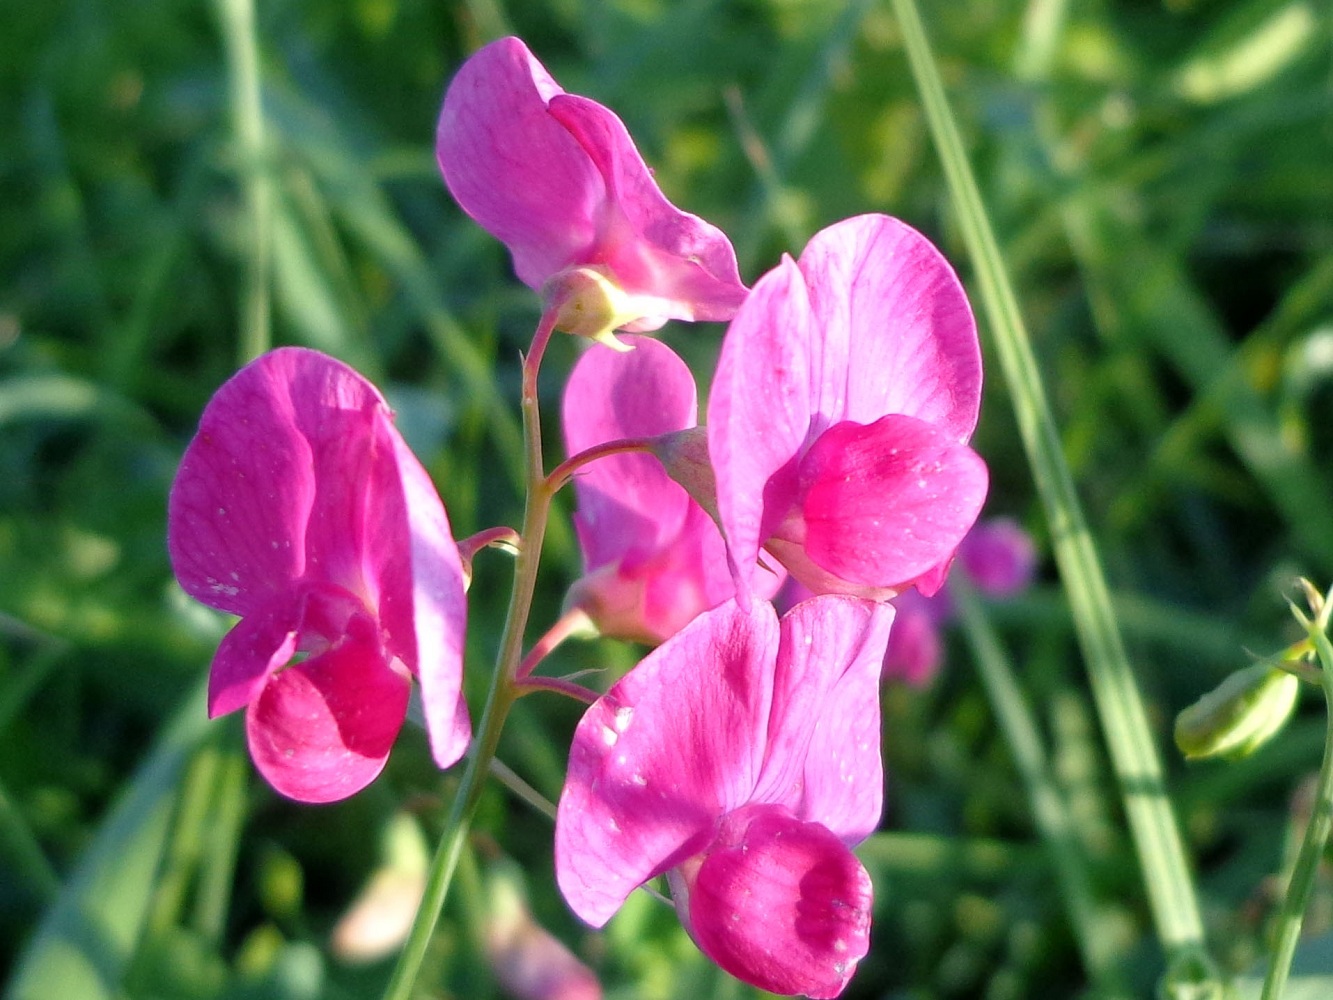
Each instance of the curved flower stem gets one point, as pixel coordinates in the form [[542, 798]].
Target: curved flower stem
[[573, 621], [559, 685], [562, 473], [503, 691], [1312, 847], [1133, 749], [1050, 811]]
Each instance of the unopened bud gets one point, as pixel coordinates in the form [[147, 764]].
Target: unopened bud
[[1239, 715], [590, 304]]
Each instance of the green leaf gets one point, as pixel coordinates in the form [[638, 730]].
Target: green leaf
[[84, 945]]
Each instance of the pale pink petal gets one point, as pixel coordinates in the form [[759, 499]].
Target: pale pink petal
[[898, 333], [999, 557], [759, 413], [626, 503], [512, 167], [674, 744], [887, 502], [781, 904], [823, 756], [321, 729], [655, 251], [241, 497]]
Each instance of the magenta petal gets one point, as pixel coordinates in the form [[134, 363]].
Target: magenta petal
[[418, 573], [782, 904], [759, 413], [512, 167], [823, 756], [256, 646], [238, 506], [674, 744], [898, 333], [321, 730], [656, 251], [889, 501]]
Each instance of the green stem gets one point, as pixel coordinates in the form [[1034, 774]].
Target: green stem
[[1312, 847], [503, 691], [238, 29], [21, 844], [1120, 707], [1050, 812]]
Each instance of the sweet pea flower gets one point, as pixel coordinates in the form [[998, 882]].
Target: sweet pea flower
[[999, 559], [741, 758], [653, 559], [299, 507], [848, 385], [557, 179]]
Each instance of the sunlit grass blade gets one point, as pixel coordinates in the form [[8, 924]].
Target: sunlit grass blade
[[1050, 810], [242, 48], [87, 939], [1131, 742]]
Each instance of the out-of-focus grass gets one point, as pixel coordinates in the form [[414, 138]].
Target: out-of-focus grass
[[1161, 179]]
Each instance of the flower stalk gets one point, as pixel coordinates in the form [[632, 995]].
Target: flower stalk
[[1321, 818], [503, 690]]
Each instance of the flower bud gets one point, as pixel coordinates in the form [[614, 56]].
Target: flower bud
[[590, 304], [1239, 715]]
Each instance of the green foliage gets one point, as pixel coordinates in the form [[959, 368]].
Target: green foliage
[[1160, 179]]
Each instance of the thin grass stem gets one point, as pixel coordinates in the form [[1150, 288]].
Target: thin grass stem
[[1297, 898], [1166, 873], [1050, 811], [242, 47]]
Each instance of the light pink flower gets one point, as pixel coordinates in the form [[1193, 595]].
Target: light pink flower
[[298, 507], [742, 758], [848, 386], [652, 558], [557, 179]]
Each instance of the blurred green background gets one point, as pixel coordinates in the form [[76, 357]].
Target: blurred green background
[[1161, 178]]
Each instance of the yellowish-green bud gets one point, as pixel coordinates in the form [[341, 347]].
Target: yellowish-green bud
[[590, 304], [1239, 715]]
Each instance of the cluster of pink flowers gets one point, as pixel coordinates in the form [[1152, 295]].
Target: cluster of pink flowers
[[741, 757]]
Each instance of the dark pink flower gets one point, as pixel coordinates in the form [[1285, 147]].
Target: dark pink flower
[[298, 507], [652, 558], [741, 757], [557, 179], [847, 389]]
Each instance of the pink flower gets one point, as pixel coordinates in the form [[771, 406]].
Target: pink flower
[[557, 179], [298, 507], [998, 557], [915, 649], [653, 559], [741, 757], [848, 386]]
